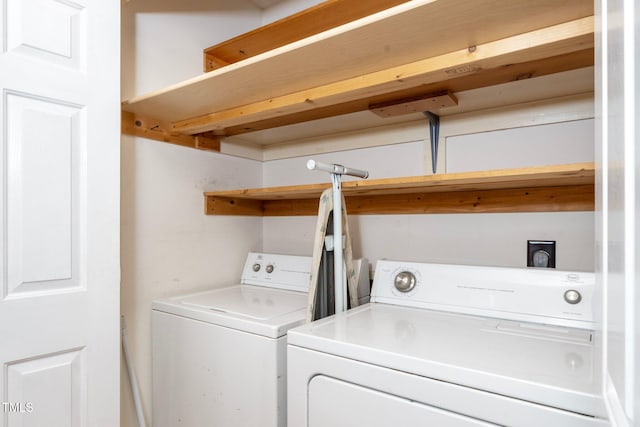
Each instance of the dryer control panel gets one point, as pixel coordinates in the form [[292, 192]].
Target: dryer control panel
[[563, 298], [277, 271]]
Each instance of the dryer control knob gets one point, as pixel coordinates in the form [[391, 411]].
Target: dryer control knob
[[256, 267], [572, 296], [269, 268], [405, 281]]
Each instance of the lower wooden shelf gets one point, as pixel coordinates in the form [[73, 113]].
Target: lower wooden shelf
[[540, 189]]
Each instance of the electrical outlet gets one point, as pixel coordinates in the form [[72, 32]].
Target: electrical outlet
[[541, 253]]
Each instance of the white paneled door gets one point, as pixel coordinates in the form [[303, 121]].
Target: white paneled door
[[59, 127]]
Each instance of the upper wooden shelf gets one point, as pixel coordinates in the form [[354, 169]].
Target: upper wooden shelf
[[316, 19], [411, 49], [541, 189]]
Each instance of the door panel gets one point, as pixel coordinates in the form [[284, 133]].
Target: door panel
[[59, 181], [618, 203], [63, 401], [43, 144], [49, 30]]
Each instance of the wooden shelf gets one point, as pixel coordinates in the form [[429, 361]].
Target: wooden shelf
[[316, 19], [409, 50], [542, 189]]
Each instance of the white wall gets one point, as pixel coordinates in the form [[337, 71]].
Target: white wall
[[482, 239], [285, 8], [168, 245], [163, 40]]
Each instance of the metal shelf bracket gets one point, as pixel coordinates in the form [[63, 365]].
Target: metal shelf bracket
[[434, 135]]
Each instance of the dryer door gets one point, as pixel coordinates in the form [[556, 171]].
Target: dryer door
[[338, 403]]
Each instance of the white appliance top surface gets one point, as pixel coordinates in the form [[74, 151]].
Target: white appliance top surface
[[461, 326], [253, 302], [551, 365], [271, 298], [255, 309]]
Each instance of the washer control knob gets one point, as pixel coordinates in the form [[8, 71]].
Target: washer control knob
[[256, 267], [269, 268], [572, 296], [404, 281]]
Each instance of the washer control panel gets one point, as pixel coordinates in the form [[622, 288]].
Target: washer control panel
[[562, 298], [277, 271]]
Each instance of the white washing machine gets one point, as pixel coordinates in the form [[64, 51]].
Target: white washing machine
[[219, 357], [448, 345]]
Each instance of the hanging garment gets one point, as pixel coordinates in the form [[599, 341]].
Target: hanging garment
[[321, 286]]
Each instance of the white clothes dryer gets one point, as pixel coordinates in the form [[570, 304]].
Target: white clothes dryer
[[449, 345], [219, 356]]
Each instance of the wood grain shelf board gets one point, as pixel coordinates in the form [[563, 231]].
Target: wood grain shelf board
[[534, 199], [553, 41], [400, 35], [552, 188], [479, 79], [417, 104], [160, 130], [316, 19]]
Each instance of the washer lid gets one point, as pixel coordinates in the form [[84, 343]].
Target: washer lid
[[254, 302], [264, 311]]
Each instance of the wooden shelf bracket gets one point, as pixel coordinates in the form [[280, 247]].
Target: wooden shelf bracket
[[161, 130]]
